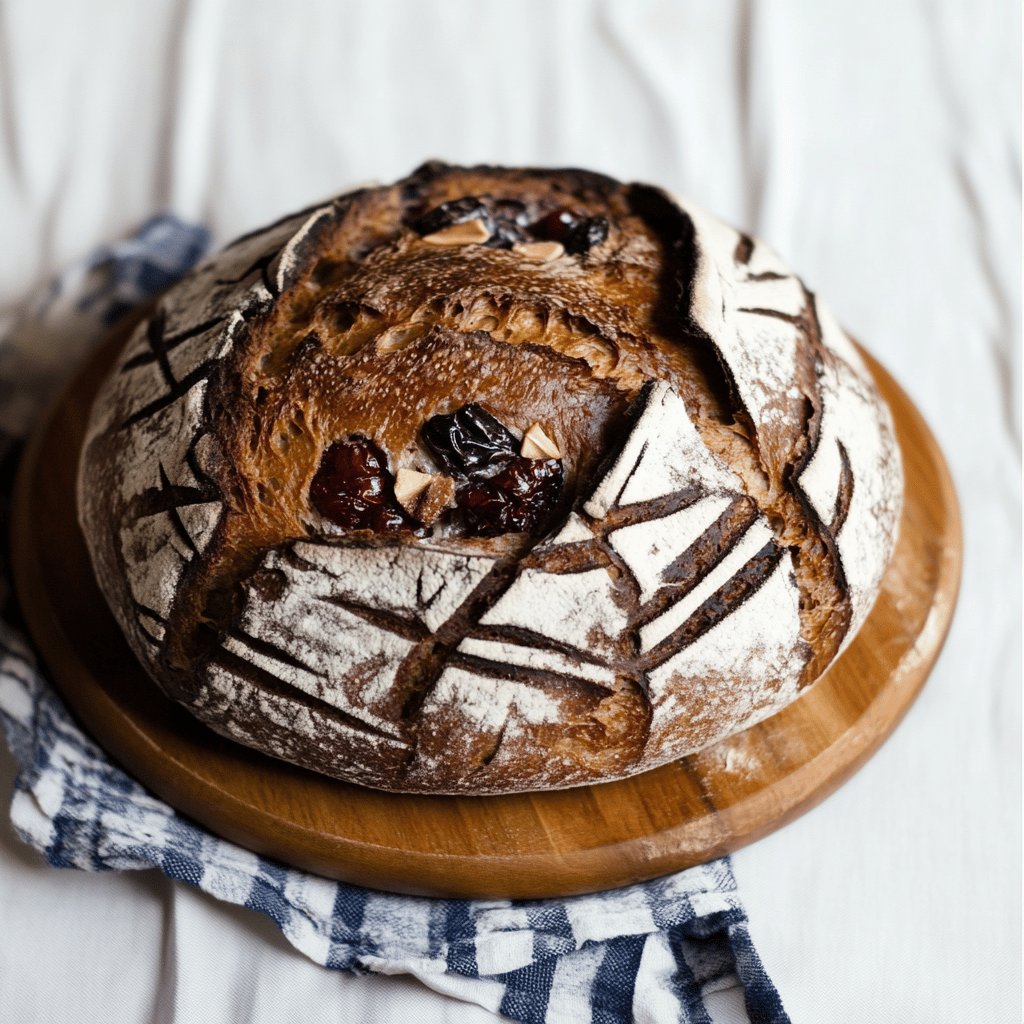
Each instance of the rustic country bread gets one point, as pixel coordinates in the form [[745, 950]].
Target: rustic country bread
[[304, 497]]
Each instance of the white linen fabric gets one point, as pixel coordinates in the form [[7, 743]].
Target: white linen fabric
[[875, 144]]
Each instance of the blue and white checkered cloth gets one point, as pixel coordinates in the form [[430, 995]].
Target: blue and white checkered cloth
[[654, 952]]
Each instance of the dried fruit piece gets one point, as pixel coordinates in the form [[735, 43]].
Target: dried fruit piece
[[455, 211], [353, 488], [507, 235], [518, 498], [512, 211], [470, 232], [554, 226], [510, 218], [469, 440], [585, 235], [576, 231], [537, 444]]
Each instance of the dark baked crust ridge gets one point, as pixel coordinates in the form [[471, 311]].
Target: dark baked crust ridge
[[504, 705], [821, 355]]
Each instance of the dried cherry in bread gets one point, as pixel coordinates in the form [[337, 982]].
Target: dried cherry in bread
[[354, 489], [518, 498], [469, 440]]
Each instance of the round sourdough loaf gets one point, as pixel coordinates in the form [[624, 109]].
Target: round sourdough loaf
[[489, 480]]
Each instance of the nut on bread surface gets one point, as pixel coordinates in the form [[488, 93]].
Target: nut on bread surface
[[491, 480]]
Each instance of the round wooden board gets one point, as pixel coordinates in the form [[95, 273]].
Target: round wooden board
[[521, 846]]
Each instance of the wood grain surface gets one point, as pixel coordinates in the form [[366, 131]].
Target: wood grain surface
[[528, 845]]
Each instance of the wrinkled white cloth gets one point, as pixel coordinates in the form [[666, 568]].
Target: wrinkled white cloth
[[875, 144]]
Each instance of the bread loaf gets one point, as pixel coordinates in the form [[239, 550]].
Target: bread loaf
[[489, 480]]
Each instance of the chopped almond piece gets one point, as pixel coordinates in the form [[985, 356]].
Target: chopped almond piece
[[423, 495], [537, 445], [409, 485], [543, 252], [466, 233]]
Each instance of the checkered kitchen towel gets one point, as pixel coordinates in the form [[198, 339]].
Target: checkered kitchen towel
[[676, 949]]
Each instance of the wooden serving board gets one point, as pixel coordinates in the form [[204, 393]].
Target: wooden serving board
[[528, 845]]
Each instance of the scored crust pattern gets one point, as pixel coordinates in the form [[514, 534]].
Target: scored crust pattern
[[666, 609], [761, 317]]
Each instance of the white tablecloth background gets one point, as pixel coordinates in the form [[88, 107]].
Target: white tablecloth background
[[874, 143]]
